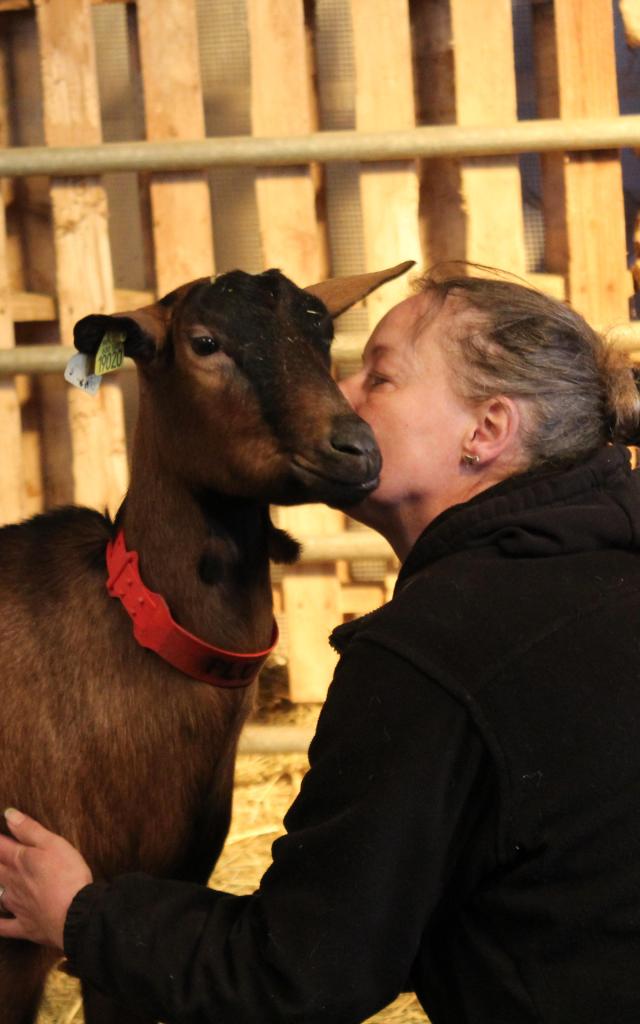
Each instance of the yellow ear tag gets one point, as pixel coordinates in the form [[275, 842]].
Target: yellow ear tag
[[110, 354]]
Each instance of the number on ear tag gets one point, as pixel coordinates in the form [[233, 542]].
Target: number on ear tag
[[110, 354], [79, 372]]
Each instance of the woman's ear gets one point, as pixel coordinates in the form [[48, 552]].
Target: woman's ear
[[496, 431]]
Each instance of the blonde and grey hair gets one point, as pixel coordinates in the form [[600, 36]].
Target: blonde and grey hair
[[577, 391]]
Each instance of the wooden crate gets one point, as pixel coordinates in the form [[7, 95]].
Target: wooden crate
[[185, 69]]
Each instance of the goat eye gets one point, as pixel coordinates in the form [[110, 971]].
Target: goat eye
[[204, 345]]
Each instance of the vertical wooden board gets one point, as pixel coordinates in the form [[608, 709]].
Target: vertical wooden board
[[486, 94], [180, 202], [311, 602], [30, 210], [360, 599], [7, 186], [556, 245], [599, 283], [442, 219], [76, 433], [11, 462], [283, 103], [33, 201], [32, 478], [385, 101]]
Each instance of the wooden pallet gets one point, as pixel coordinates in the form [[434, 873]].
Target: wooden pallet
[[401, 63]]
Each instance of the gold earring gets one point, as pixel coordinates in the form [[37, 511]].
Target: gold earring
[[470, 460]]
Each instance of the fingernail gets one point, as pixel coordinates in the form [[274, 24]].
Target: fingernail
[[14, 816]]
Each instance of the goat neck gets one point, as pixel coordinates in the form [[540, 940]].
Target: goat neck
[[207, 554]]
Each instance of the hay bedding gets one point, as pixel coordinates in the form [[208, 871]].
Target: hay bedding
[[265, 787]]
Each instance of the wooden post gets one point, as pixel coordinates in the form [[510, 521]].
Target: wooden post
[[282, 103], [580, 41], [485, 91], [384, 100], [180, 202], [83, 460]]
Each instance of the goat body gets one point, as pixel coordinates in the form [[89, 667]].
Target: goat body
[[101, 739]]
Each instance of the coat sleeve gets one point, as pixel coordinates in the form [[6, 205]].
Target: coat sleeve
[[398, 776]]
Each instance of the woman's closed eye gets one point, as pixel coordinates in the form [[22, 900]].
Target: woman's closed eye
[[377, 380]]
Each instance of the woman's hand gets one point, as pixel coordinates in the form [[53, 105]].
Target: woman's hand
[[40, 873]]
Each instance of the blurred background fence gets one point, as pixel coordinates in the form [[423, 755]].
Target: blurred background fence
[[148, 143]]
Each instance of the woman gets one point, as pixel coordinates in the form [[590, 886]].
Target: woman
[[469, 826]]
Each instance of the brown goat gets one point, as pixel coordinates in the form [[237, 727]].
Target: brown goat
[[102, 739]]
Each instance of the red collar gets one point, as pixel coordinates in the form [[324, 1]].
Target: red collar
[[155, 628]]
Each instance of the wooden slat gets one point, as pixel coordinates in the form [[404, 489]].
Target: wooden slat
[[599, 283], [31, 306], [312, 607], [180, 202], [11, 478], [32, 259], [556, 243], [282, 103], [83, 449], [384, 101], [11, 462], [32, 471], [442, 218], [359, 599], [486, 94]]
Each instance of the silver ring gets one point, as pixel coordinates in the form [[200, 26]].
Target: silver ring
[[4, 911]]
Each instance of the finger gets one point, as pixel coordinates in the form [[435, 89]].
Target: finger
[[8, 847], [10, 928], [28, 831]]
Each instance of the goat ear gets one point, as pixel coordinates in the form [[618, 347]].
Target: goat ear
[[338, 293], [144, 330]]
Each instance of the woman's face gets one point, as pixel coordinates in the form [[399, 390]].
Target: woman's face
[[404, 392]]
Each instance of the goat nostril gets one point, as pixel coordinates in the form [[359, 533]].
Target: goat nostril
[[346, 448], [353, 437]]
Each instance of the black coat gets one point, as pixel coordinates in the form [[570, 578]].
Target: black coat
[[470, 824]]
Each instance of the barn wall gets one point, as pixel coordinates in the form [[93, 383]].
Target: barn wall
[[171, 69]]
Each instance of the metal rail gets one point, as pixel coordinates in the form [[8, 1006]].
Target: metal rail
[[54, 358], [275, 739], [35, 359], [425, 142]]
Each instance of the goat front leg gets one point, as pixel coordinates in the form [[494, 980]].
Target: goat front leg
[[100, 1009]]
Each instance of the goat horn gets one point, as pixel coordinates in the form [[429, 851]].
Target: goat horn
[[338, 293]]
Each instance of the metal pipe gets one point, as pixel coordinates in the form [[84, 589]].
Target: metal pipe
[[275, 739], [427, 141], [36, 359], [53, 358], [348, 545]]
